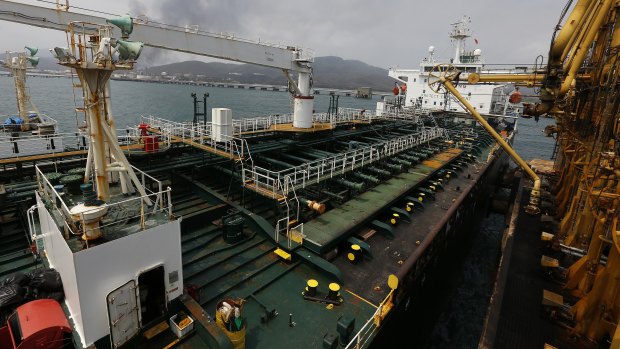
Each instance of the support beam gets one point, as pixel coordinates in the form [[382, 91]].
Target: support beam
[[535, 194]]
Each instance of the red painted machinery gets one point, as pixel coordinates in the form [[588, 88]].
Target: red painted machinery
[[39, 324]]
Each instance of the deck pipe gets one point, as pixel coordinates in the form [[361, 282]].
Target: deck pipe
[[424, 152], [295, 158], [420, 154], [413, 159], [416, 157], [30, 185], [401, 160], [313, 155], [367, 178], [315, 206], [378, 171], [333, 195], [375, 140], [276, 162], [318, 153], [349, 184], [323, 152], [393, 167], [226, 171]]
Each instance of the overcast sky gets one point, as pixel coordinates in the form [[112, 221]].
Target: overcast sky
[[386, 33]]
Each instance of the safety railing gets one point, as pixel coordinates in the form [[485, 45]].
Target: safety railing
[[291, 201], [315, 171], [197, 134], [28, 145], [17, 147], [260, 124], [271, 123], [121, 210], [365, 334]]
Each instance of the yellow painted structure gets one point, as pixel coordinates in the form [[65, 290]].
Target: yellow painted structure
[[580, 88]]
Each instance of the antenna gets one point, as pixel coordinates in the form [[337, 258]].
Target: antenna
[[460, 31]]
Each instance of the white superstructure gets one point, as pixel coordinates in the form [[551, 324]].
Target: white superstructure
[[489, 98]]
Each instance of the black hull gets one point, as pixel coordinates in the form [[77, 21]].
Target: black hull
[[425, 279]]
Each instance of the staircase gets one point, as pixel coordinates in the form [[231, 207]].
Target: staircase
[[288, 206]]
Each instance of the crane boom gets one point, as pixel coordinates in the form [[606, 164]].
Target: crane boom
[[170, 38], [287, 58]]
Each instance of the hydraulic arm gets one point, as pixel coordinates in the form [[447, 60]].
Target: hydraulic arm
[[441, 77]]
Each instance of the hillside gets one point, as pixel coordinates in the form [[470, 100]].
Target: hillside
[[331, 72]]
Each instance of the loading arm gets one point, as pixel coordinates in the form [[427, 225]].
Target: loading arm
[[441, 77], [567, 54], [187, 40]]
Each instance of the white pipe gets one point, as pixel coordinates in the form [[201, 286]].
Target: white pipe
[[304, 103], [117, 169], [89, 164], [120, 157]]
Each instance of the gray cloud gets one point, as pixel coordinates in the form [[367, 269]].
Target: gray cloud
[[384, 34]]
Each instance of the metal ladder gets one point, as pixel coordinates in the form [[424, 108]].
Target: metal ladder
[[290, 205]]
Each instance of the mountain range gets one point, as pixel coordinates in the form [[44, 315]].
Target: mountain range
[[329, 72]]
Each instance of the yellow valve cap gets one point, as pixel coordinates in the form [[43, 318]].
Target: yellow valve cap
[[395, 215], [420, 199], [334, 287], [393, 221], [351, 256], [408, 208], [355, 247], [393, 281], [313, 283]]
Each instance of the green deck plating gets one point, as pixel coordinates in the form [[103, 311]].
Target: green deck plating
[[332, 227]]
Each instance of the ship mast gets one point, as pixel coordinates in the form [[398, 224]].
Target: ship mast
[[460, 32], [17, 63], [95, 57]]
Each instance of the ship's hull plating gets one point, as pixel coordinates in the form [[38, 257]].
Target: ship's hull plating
[[423, 285]]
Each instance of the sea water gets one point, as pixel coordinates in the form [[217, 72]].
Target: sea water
[[57, 98]]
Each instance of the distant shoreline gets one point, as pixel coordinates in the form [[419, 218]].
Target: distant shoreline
[[258, 87]]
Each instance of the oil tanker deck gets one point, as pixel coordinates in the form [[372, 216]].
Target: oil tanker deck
[[427, 199], [303, 230]]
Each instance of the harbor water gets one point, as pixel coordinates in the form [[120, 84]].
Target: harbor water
[[57, 98]]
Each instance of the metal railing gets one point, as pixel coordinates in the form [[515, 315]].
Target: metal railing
[[127, 210], [196, 134], [270, 123], [283, 225], [315, 171], [16, 147], [362, 337]]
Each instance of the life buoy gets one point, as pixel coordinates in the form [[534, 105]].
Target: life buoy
[[395, 91], [403, 87]]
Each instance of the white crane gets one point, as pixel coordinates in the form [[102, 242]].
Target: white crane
[[188, 40]]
